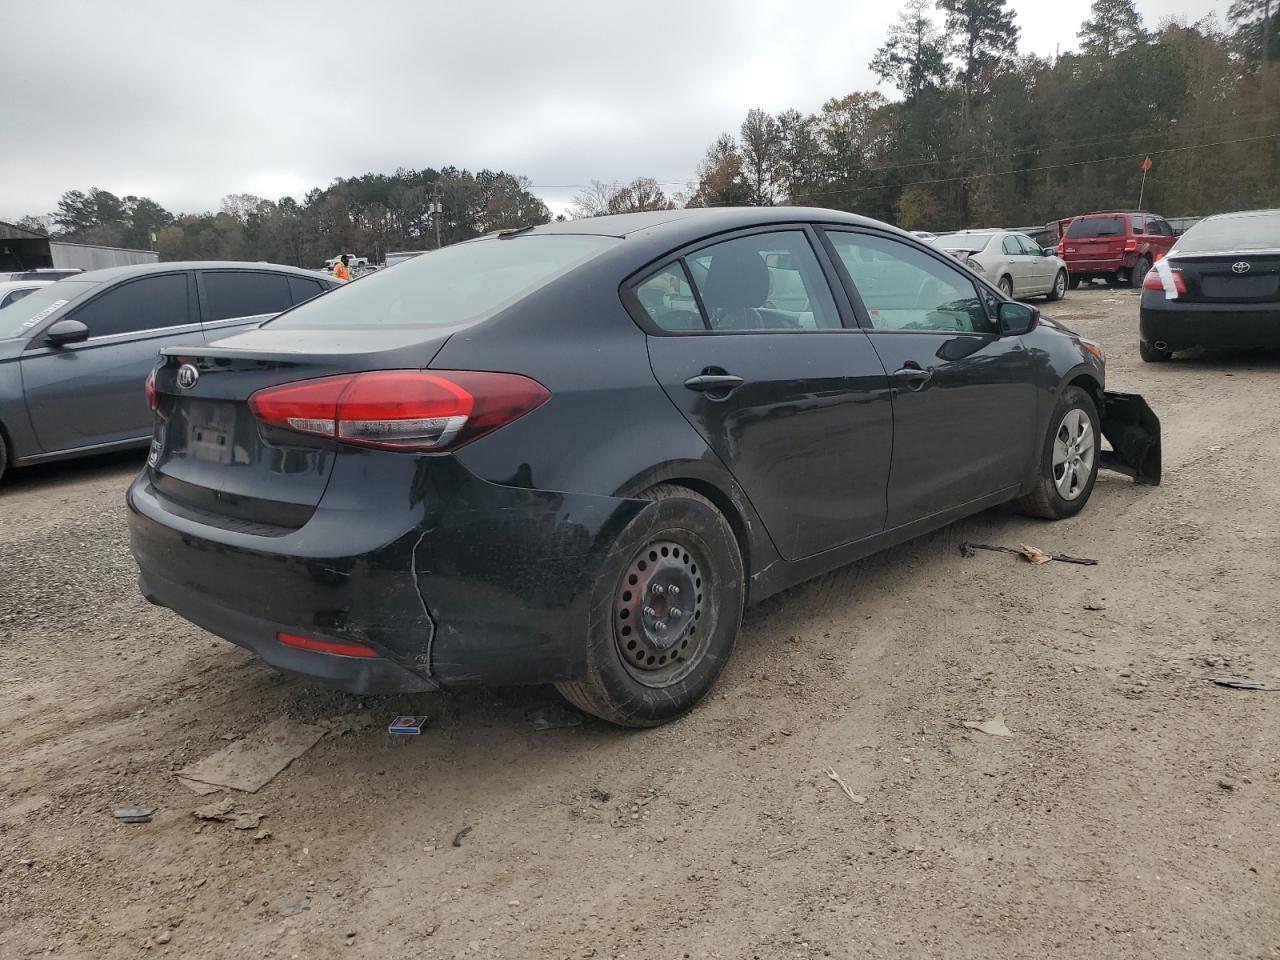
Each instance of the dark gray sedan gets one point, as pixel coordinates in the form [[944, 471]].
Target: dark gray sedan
[[74, 354]]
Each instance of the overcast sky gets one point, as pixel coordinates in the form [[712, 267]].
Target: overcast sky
[[273, 98]]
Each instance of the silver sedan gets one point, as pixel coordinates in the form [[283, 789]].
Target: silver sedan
[[1011, 261]]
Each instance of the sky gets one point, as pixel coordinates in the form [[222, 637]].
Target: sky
[[188, 102]]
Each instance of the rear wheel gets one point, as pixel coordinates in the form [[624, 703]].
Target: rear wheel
[[4, 456], [1059, 289], [1006, 286], [1068, 460], [664, 614], [1153, 354], [1074, 283], [1139, 272]]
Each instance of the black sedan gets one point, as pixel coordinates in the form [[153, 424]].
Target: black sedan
[[571, 454], [1219, 287]]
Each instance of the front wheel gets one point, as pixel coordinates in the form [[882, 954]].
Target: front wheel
[[1069, 459], [665, 613], [1059, 289], [1139, 272]]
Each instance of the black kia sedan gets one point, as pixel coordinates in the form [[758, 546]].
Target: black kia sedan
[[571, 454], [1219, 287]]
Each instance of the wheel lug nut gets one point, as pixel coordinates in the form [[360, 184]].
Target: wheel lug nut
[[660, 625], [656, 590], [674, 590], [650, 612], [675, 612]]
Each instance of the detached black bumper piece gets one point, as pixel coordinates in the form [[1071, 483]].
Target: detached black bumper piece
[[1133, 430]]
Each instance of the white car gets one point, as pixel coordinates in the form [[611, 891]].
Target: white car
[[1011, 261], [14, 290]]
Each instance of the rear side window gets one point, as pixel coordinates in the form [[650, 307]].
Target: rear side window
[[460, 284], [765, 281], [1089, 228], [243, 293], [136, 306], [1010, 246], [1029, 246], [301, 289], [668, 300]]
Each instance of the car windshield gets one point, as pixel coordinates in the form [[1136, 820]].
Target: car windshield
[[1087, 228], [16, 319], [964, 241], [458, 284], [1254, 231]]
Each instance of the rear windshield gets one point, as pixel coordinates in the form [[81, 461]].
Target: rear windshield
[[1087, 229], [1254, 231], [16, 319], [964, 241], [457, 284]]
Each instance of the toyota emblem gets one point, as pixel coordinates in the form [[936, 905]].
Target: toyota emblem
[[1240, 266], [187, 376]]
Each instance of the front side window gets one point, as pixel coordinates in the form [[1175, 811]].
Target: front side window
[[765, 281], [1029, 247], [904, 288], [136, 306], [668, 300], [461, 284], [13, 296], [41, 304], [242, 293]]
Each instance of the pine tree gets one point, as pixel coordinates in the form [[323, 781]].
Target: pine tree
[[1113, 26], [914, 57]]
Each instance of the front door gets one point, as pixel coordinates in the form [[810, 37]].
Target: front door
[[92, 392], [964, 407], [794, 403]]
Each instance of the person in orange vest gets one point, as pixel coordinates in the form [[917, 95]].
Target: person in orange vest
[[340, 269]]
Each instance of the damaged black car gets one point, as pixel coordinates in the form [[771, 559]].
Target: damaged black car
[[572, 454]]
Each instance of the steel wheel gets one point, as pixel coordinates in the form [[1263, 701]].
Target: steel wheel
[[1059, 286], [1074, 450], [657, 610]]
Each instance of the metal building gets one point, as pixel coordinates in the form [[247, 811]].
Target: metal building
[[22, 249]]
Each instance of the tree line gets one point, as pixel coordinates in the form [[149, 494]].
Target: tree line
[[981, 135]]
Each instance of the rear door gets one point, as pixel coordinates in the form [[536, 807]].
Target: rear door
[[233, 299], [747, 340], [92, 392], [1021, 267], [1043, 270], [964, 406]]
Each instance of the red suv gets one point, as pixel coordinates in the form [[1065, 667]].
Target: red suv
[[1116, 247]]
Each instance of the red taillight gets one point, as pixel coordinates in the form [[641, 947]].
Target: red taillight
[[400, 409], [153, 399], [331, 647], [1130, 245], [1155, 280], [1062, 247]]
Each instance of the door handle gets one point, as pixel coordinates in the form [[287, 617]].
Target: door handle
[[707, 382], [915, 376]]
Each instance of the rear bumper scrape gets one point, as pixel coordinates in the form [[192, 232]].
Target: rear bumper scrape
[[1133, 430]]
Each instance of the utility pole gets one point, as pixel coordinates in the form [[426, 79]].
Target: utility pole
[[436, 208]]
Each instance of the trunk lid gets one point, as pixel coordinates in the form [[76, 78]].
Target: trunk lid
[[1230, 277], [215, 462]]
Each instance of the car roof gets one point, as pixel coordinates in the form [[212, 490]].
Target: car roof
[[691, 223], [1243, 214], [107, 274]]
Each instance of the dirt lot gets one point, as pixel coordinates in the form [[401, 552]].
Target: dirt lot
[[1132, 813]]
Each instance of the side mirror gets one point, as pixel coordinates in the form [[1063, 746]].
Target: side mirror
[[1015, 319], [66, 331], [1048, 251]]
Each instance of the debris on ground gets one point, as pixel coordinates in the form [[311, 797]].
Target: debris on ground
[[599, 793], [292, 906], [350, 723], [457, 837], [995, 727], [251, 763], [410, 726], [1244, 683], [247, 821], [855, 797], [133, 814], [552, 717], [1095, 605], [1227, 785], [218, 810], [195, 786], [1031, 554]]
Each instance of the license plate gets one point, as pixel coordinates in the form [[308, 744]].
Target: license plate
[[209, 444], [1238, 288]]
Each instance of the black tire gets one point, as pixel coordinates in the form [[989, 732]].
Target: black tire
[[704, 555], [1045, 500], [1059, 289], [4, 457], [1074, 283], [1112, 279], [1152, 354], [1139, 272], [1006, 286]]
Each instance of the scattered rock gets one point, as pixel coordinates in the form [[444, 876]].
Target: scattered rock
[[292, 906], [247, 821], [995, 727], [133, 814], [218, 810], [598, 793], [1226, 784], [164, 937]]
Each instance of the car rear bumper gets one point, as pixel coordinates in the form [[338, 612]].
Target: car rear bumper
[[1100, 268], [1180, 325], [453, 580]]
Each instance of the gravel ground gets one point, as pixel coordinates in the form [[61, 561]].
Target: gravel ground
[[1132, 813]]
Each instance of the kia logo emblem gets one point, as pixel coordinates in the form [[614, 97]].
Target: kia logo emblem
[[187, 376], [1240, 266]]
